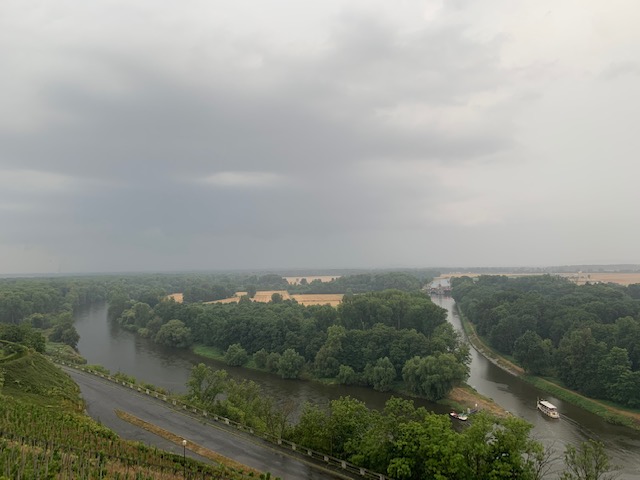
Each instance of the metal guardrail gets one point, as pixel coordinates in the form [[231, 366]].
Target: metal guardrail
[[336, 464]]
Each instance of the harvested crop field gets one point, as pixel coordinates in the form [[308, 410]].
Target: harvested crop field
[[319, 299], [306, 299], [265, 295], [225, 300]]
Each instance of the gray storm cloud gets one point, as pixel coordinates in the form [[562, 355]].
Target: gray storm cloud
[[145, 144]]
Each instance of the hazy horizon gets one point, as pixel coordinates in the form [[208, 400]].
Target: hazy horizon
[[357, 135], [342, 271]]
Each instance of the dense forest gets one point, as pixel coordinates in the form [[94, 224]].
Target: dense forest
[[376, 338], [587, 336]]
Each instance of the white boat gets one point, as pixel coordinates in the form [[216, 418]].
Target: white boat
[[549, 409], [459, 416]]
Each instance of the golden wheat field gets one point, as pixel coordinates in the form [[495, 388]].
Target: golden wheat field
[[319, 299], [178, 297], [264, 296]]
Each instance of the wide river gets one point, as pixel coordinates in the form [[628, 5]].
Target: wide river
[[103, 342]]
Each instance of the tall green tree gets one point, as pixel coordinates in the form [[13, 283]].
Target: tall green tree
[[205, 384], [236, 355], [174, 333], [533, 353], [381, 375], [434, 376], [588, 462], [290, 364], [66, 333]]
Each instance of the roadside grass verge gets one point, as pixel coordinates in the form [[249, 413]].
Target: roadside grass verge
[[237, 469]]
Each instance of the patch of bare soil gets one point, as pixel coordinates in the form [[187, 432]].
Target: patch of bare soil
[[472, 400]]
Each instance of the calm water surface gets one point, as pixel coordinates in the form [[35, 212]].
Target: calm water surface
[[103, 342]]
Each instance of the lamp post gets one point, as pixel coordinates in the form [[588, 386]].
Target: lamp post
[[184, 458]]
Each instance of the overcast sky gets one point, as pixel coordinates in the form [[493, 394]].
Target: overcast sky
[[220, 134]]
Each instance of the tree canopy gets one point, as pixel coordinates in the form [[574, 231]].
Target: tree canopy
[[588, 336]]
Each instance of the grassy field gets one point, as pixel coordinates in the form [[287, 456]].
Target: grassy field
[[208, 352]]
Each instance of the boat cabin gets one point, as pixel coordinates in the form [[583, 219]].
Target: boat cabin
[[549, 409]]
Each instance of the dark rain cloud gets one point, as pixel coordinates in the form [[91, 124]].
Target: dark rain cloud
[[313, 125]]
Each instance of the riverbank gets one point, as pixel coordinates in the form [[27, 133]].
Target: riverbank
[[460, 398], [465, 397], [610, 413]]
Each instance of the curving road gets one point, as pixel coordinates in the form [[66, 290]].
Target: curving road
[[103, 398]]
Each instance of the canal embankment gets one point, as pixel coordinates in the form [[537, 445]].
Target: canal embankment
[[612, 414]]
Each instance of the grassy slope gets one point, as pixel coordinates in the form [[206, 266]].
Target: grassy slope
[[41, 405], [32, 378]]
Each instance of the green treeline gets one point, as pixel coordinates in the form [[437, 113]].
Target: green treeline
[[48, 303], [587, 336], [384, 338], [205, 288], [380, 339], [401, 441], [367, 282], [23, 297], [411, 443]]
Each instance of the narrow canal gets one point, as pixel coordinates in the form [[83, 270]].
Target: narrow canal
[[575, 424]]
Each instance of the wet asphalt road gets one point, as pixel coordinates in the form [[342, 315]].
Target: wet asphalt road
[[103, 398]]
